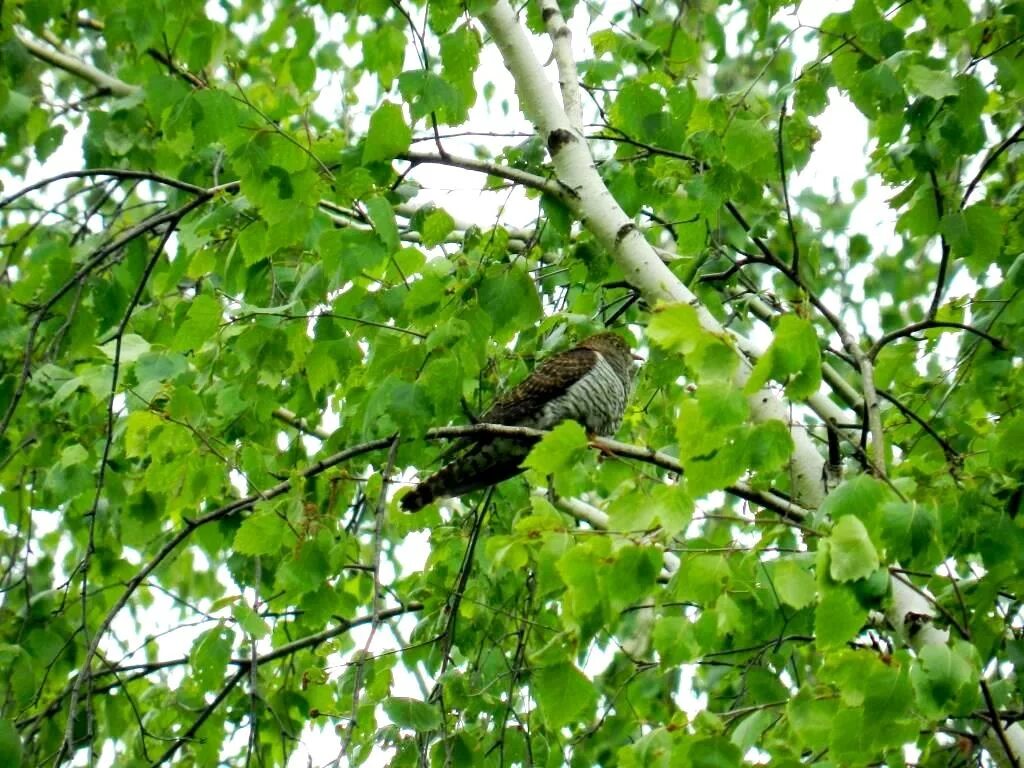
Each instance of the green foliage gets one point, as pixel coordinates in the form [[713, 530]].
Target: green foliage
[[792, 359], [229, 317]]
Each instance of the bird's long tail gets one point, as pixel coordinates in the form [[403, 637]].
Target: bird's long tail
[[480, 467]]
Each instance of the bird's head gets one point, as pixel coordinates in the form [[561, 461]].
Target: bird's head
[[614, 349]]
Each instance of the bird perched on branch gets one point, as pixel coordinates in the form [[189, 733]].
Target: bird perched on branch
[[589, 383]]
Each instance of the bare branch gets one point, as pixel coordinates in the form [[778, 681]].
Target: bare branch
[[940, 280], [923, 325], [785, 192], [116, 173], [514, 175], [1004, 145]]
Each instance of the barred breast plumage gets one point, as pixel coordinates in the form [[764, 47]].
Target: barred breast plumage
[[589, 383]]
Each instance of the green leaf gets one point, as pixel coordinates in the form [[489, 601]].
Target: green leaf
[[811, 716], [250, 621], [909, 529], [936, 83], [133, 347], [260, 534], [861, 496], [10, 744], [793, 358], [426, 92], [796, 587], [853, 556], [382, 216], [347, 253], [434, 226], [563, 695], [945, 680], [389, 135], [771, 446], [838, 618], [509, 297], [384, 54], [747, 142], [639, 111], [633, 575], [209, 658], [559, 450], [677, 328], [985, 231], [646, 508], [412, 713], [751, 729], [201, 323], [675, 641]]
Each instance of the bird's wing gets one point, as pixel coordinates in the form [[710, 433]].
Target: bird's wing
[[549, 380]]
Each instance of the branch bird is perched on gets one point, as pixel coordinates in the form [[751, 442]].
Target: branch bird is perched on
[[589, 383]]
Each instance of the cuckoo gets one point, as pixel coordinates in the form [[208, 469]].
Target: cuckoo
[[589, 383]]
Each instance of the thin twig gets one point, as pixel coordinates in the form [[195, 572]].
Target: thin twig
[[785, 192], [378, 543], [514, 175], [940, 280], [1004, 145], [923, 325]]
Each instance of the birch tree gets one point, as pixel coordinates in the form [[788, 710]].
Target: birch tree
[[249, 296]]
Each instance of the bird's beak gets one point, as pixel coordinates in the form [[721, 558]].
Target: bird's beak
[[636, 357]]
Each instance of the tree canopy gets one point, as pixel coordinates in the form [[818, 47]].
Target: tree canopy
[[242, 310]]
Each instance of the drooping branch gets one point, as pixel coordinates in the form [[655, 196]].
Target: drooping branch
[[244, 665], [923, 325], [114, 173]]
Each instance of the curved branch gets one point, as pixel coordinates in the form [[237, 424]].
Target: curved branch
[[116, 173], [99, 256], [924, 325], [778, 504], [1004, 145]]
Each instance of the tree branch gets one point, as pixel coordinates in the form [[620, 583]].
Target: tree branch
[[923, 325], [561, 42], [116, 173], [1004, 145], [514, 175], [79, 68], [795, 265], [940, 280]]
